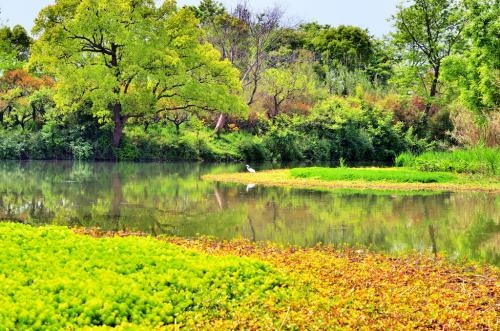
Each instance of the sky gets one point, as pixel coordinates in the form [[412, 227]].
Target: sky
[[368, 14]]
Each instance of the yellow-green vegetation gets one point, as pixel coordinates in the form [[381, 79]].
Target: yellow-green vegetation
[[372, 174], [363, 179], [52, 278]]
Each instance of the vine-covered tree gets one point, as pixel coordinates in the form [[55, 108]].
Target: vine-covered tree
[[131, 59]]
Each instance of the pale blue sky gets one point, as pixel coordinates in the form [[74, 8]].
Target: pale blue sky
[[369, 14]]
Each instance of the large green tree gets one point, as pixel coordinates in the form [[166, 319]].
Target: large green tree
[[426, 32], [132, 59], [476, 70]]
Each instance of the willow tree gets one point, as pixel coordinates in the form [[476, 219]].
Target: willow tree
[[131, 59]]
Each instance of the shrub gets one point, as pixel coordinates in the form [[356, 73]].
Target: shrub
[[253, 149], [81, 150]]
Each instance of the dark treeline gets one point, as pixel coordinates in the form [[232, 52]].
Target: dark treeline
[[129, 80]]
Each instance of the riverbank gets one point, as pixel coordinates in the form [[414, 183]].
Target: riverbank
[[53, 278], [285, 178]]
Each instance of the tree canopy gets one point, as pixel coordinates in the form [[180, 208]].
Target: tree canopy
[[130, 59]]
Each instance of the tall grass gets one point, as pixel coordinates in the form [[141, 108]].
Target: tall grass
[[478, 160], [372, 174]]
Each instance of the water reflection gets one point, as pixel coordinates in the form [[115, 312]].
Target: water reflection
[[171, 199]]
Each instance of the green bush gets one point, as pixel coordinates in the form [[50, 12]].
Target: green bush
[[283, 141], [81, 150], [252, 149]]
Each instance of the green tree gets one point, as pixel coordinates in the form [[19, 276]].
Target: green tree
[[131, 59], [426, 32], [14, 47], [348, 46], [286, 84], [476, 71], [244, 38]]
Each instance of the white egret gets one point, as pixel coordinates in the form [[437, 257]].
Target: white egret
[[250, 169]]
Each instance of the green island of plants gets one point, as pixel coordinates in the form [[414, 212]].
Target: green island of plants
[[53, 278], [464, 170], [388, 180]]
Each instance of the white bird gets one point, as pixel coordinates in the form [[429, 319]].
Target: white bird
[[250, 169], [249, 187]]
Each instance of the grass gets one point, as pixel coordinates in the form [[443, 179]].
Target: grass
[[52, 279], [485, 161], [372, 174]]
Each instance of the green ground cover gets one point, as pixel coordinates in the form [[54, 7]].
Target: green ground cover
[[372, 174], [52, 279]]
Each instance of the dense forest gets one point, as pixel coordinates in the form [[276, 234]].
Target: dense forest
[[130, 80]]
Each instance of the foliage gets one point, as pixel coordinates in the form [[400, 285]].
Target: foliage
[[426, 32], [354, 289], [284, 143], [286, 84], [152, 62], [371, 174], [476, 71], [348, 46], [127, 282], [14, 47], [120, 282], [477, 160], [354, 130]]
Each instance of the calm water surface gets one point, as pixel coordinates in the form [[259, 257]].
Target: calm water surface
[[172, 199]]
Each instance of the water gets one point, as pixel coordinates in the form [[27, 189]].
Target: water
[[172, 199]]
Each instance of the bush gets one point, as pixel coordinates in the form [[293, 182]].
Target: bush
[[283, 142], [82, 150], [134, 283], [252, 149]]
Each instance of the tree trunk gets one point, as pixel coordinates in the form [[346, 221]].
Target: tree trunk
[[220, 123], [119, 124], [433, 90], [435, 81]]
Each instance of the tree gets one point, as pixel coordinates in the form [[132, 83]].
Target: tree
[[349, 46], [476, 71], [426, 32], [21, 95], [244, 38], [287, 83], [14, 47], [131, 59]]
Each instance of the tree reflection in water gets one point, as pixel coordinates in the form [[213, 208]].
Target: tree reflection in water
[[171, 199]]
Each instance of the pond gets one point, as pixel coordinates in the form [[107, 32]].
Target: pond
[[161, 198]]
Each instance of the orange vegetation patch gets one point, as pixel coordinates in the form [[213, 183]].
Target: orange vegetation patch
[[356, 289], [353, 289]]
